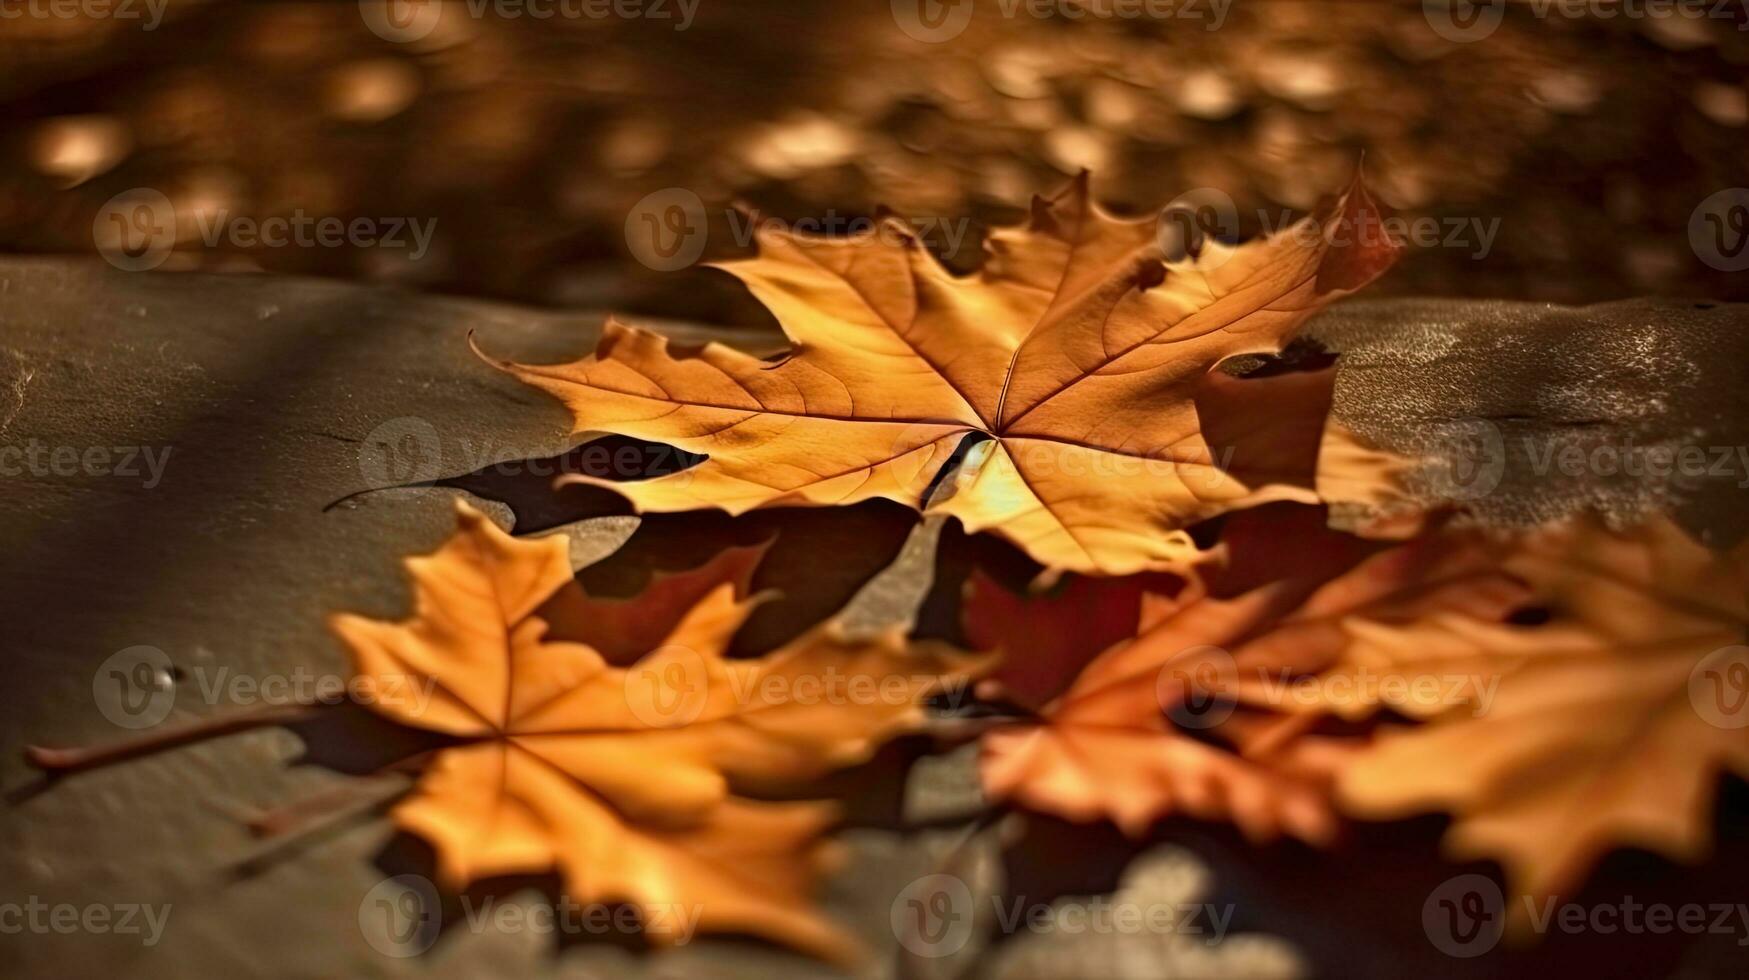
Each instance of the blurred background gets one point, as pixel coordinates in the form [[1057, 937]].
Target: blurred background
[[517, 154]]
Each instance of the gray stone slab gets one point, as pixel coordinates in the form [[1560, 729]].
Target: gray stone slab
[[275, 397]]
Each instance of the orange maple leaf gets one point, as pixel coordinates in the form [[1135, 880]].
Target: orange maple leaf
[[1610, 724], [1186, 716], [619, 777], [1069, 385]]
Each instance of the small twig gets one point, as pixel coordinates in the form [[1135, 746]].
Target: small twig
[[310, 812], [60, 761], [291, 838]]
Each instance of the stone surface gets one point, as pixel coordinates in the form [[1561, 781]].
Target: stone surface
[[276, 398]]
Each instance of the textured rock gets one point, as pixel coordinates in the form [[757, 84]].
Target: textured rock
[[277, 397]]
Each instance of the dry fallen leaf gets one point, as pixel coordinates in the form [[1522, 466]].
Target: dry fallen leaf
[[1107, 748], [1056, 633], [1612, 721], [619, 777], [1189, 716], [1071, 382]]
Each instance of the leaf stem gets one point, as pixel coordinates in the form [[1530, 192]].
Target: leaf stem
[[334, 801], [74, 759]]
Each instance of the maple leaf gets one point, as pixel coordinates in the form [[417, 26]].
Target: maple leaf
[[1058, 632], [619, 777], [1187, 716], [1611, 723], [623, 630], [1070, 383]]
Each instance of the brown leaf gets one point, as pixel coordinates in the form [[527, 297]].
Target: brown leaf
[[1067, 373], [616, 776], [1056, 633], [1189, 717], [1611, 723], [622, 630]]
